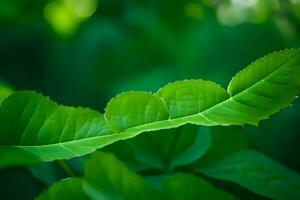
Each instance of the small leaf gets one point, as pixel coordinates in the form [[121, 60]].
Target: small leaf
[[131, 109], [257, 173], [190, 97]]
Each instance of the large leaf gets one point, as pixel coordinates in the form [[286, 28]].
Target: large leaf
[[105, 178], [257, 173], [33, 128]]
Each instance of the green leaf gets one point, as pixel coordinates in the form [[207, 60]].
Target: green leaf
[[263, 88], [110, 175], [226, 140], [189, 146], [256, 172], [33, 128], [131, 109], [164, 150], [48, 173], [189, 187], [191, 97], [124, 152], [68, 189], [105, 178], [5, 91]]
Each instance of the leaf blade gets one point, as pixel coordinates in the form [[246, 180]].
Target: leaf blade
[[54, 137], [105, 177], [187, 186], [257, 173]]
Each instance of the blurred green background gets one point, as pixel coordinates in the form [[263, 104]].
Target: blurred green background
[[83, 52]]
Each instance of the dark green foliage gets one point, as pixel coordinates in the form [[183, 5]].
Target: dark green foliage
[[84, 52]]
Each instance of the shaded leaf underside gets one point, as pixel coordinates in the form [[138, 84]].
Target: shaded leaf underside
[[256, 172], [108, 178]]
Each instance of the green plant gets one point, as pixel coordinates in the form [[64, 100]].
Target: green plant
[[35, 129]]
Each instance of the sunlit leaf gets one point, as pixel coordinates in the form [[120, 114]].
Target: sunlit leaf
[[34, 128]]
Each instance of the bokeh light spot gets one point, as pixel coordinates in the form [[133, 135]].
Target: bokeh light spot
[[194, 11], [82, 8], [65, 16], [244, 3]]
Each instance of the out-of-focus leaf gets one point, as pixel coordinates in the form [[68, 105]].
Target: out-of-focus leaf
[[105, 178], [124, 152], [68, 189], [256, 172], [48, 173], [225, 141], [167, 149], [110, 176], [5, 91], [189, 187]]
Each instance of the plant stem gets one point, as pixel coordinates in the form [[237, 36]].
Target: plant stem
[[66, 168]]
